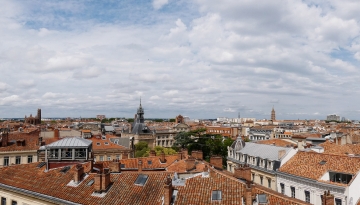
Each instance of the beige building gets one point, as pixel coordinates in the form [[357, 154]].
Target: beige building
[[165, 138], [263, 159], [18, 147]]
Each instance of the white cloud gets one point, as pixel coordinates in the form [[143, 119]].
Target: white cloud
[[158, 4]]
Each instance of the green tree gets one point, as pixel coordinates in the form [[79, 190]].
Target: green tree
[[142, 149], [182, 139], [172, 120], [130, 120]]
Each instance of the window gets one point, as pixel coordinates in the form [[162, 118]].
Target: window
[[269, 182], [109, 159], [18, 160], [66, 153], [53, 153], [149, 162], [338, 201], [216, 195], [307, 196], [253, 176], [6, 161], [30, 158], [80, 153], [117, 156], [98, 143], [101, 158], [13, 202], [106, 143], [141, 179], [292, 192], [282, 188], [3, 201], [261, 180], [262, 198], [122, 166]]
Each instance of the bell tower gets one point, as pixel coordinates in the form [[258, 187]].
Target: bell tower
[[273, 114]]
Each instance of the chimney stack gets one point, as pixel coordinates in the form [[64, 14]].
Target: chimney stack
[[190, 164], [79, 171], [300, 145], [56, 133], [115, 166], [4, 139], [216, 161], [140, 165], [105, 178], [168, 190], [327, 198], [162, 157], [194, 154], [199, 155], [152, 153], [179, 154], [243, 172]]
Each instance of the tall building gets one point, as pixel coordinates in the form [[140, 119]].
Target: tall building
[[273, 114], [333, 118], [34, 120]]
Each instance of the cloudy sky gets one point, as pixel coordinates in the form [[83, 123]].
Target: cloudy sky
[[201, 58]]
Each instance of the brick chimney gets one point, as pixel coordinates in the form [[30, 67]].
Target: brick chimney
[[79, 171], [98, 182], [190, 164], [140, 165], [4, 139], [184, 154], [281, 153], [206, 168], [180, 157], [249, 194], [56, 133], [243, 172], [199, 155], [115, 166], [216, 161], [194, 154], [168, 190], [105, 179], [327, 198], [152, 153], [300, 145], [162, 157]]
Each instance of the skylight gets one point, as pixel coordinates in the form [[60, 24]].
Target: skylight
[[322, 162], [41, 164], [122, 165], [65, 169], [149, 162], [90, 182], [216, 195], [262, 198], [141, 179]]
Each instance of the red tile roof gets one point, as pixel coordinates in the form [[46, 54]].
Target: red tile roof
[[307, 164]]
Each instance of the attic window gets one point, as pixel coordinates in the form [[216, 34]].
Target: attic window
[[262, 199], [322, 162], [103, 137], [216, 195], [106, 143], [98, 143], [141, 179], [149, 162]]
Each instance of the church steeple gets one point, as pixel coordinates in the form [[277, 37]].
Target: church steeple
[[140, 114], [273, 114]]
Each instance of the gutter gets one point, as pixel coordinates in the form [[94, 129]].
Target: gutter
[[37, 195]]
